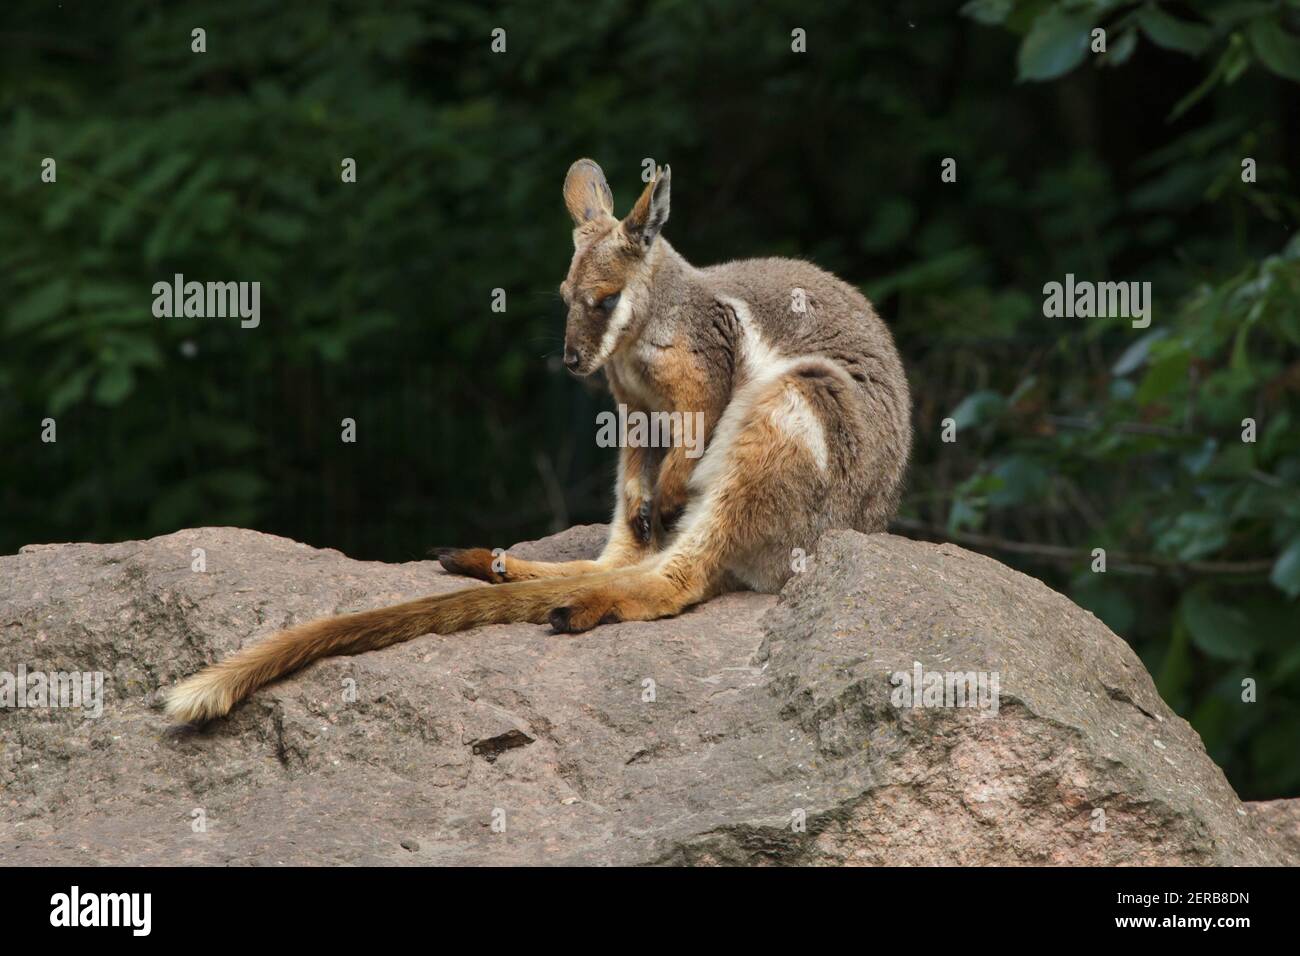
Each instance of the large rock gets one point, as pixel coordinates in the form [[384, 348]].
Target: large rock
[[750, 730]]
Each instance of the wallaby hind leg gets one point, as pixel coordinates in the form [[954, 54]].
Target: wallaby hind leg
[[763, 488], [501, 567], [620, 552], [630, 538]]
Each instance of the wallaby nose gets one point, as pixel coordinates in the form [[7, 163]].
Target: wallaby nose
[[571, 359]]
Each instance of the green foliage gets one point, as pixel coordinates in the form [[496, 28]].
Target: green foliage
[[1071, 434], [1136, 440]]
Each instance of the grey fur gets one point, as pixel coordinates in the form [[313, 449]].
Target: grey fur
[[733, 337]]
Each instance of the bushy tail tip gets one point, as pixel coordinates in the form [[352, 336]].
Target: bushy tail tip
[[200, 698]]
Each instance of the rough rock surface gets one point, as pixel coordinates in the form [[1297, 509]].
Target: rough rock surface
[[754, 729], [1280, 819]]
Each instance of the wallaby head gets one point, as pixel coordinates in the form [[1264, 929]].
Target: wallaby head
[[608, 283]]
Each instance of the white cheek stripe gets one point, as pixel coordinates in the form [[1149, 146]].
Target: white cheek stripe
[[629, 300], [618, 323]]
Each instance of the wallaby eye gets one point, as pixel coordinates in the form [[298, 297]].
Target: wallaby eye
[[608, 303]]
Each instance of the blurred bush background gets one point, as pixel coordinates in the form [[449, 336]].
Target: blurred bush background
[[376, 296]]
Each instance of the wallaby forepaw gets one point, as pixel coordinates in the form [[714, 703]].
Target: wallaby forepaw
[[643, 522]]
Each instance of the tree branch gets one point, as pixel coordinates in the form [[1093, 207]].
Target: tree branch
[[1118, 560]]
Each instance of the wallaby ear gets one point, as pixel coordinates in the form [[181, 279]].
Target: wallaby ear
[[586, 192], [651, 210]]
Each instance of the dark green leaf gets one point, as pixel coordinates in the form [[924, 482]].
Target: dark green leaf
[[1170, 32], [1056, 44], [1286, 572], [1217, 629], [1276, 49]]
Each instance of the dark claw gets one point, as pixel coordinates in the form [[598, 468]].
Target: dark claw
[[447, 557], [559, 619], [642, 524]]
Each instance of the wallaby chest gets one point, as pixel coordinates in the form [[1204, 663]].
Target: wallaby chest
[[647, 375]]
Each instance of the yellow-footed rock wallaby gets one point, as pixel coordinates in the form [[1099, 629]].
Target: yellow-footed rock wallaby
[[806, 416]]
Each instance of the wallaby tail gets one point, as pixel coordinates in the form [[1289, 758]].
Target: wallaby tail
[[215, 689]]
